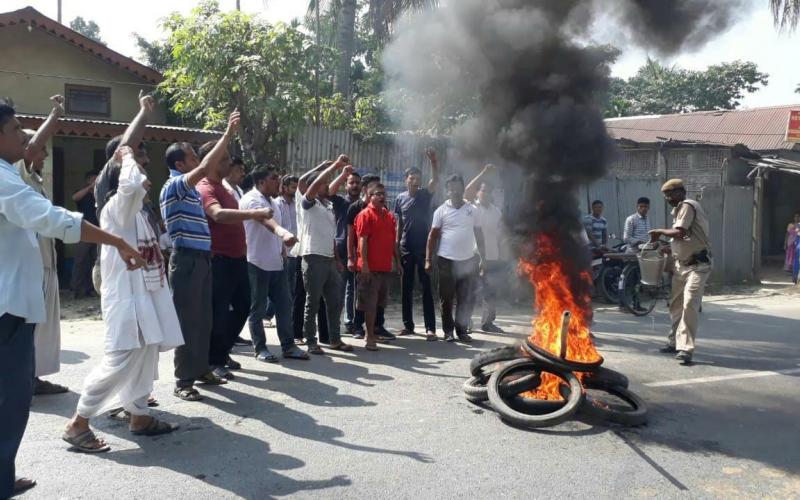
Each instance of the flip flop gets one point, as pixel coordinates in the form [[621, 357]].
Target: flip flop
[[22, 485], [341, 346], [152, 402], [211, 379], [371, 347], [267, 357], [119, 414], [300, 341], [431, 337], [81, 443], [155, 428]]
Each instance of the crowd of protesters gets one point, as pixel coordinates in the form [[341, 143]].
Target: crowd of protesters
[[223, 249]]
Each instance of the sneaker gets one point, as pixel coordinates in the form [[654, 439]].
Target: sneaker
[[448, 337], [668, 349], [685, 357], [222, 372], [491, 328], [232, 364], [359, 334], [464, 337], [240, 341]]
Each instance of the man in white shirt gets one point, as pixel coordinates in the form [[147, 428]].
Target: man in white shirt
[[490, 220], [25, 213], [457, 233], [266, 258], [316, 225]]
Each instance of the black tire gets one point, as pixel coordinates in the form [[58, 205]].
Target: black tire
[[638, 299], [514, 417], [605, 377], [609, 283], [493, 356], [475, 387], [601, 412], [547, 359]]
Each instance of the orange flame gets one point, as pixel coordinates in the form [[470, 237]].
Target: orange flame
[[557, 291]]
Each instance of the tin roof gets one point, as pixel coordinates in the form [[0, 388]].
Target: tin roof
[[760, 129], [100, 129], [35, 19]]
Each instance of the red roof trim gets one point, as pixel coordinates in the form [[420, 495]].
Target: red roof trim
[[34, 18]]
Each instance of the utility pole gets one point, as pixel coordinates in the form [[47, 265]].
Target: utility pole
[[59, 12], [316, 70]]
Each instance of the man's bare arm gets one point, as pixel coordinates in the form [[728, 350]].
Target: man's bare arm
[[314, 189], [434, 182], [135, 132], [339, 180], [233, 215], [430, 247], [217, 153], [471, 191], [48, 128], [302, 183]]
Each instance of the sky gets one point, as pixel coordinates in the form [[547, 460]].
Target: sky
[[752, 38]]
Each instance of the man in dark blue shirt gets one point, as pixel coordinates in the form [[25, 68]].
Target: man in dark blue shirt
[[412, 210], [352, 181]]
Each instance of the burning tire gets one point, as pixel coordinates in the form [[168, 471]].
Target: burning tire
[[545, 358], [521, 419], [605, 377], [597, 410], [475, 388], [491, 357]]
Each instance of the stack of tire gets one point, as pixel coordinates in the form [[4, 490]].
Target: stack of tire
[[501, 376]]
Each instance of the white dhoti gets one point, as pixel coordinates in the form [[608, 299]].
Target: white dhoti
[[124, 378], [47, 336]]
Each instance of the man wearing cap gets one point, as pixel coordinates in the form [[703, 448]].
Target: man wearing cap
[[692, 251]]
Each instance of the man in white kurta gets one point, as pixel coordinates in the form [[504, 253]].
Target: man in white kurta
[[139, 316]]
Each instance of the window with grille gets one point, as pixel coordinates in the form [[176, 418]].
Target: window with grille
[[89, 101]]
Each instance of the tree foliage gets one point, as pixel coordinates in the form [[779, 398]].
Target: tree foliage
[[220, 61], [660, 89], [89, 29]]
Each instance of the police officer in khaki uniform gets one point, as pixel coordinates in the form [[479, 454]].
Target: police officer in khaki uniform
[[691, 249]]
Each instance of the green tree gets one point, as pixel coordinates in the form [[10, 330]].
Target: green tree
[[89, 29], [155, 54], [659, 89], [226, 60]]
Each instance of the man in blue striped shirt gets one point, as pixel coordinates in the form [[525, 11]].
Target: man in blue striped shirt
[[190, 262], [637, 226]]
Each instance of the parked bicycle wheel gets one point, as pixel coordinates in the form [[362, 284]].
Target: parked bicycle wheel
[[637, 298], [609, 283]]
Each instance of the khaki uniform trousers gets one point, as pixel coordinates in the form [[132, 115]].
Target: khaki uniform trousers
[[688, 283]]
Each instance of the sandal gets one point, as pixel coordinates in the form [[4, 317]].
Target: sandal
[[315, 349], [187, 393], [295, 353], [299, 341], [431, 337], [155, 428], [267, 357], [211, 379], [341, 346], [152, 402], [372, 347], [83, 441]]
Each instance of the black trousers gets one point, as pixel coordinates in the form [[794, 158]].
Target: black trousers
[[190, 277], [415, 263], [299, 307], [230, 297], [457, 280], [16, 391]]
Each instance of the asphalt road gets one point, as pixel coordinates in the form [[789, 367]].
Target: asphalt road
[[394, 424]]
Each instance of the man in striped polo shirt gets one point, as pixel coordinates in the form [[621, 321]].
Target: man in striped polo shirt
[[190, 262]]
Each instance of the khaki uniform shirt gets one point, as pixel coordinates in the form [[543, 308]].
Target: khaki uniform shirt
[[690, 216]]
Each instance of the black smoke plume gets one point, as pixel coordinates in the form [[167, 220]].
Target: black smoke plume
[[532, 86]]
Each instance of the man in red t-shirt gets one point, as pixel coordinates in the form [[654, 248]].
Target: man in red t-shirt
[[230, 294], [376, 231]]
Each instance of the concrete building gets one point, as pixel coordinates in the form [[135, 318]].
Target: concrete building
[[42, 57]]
